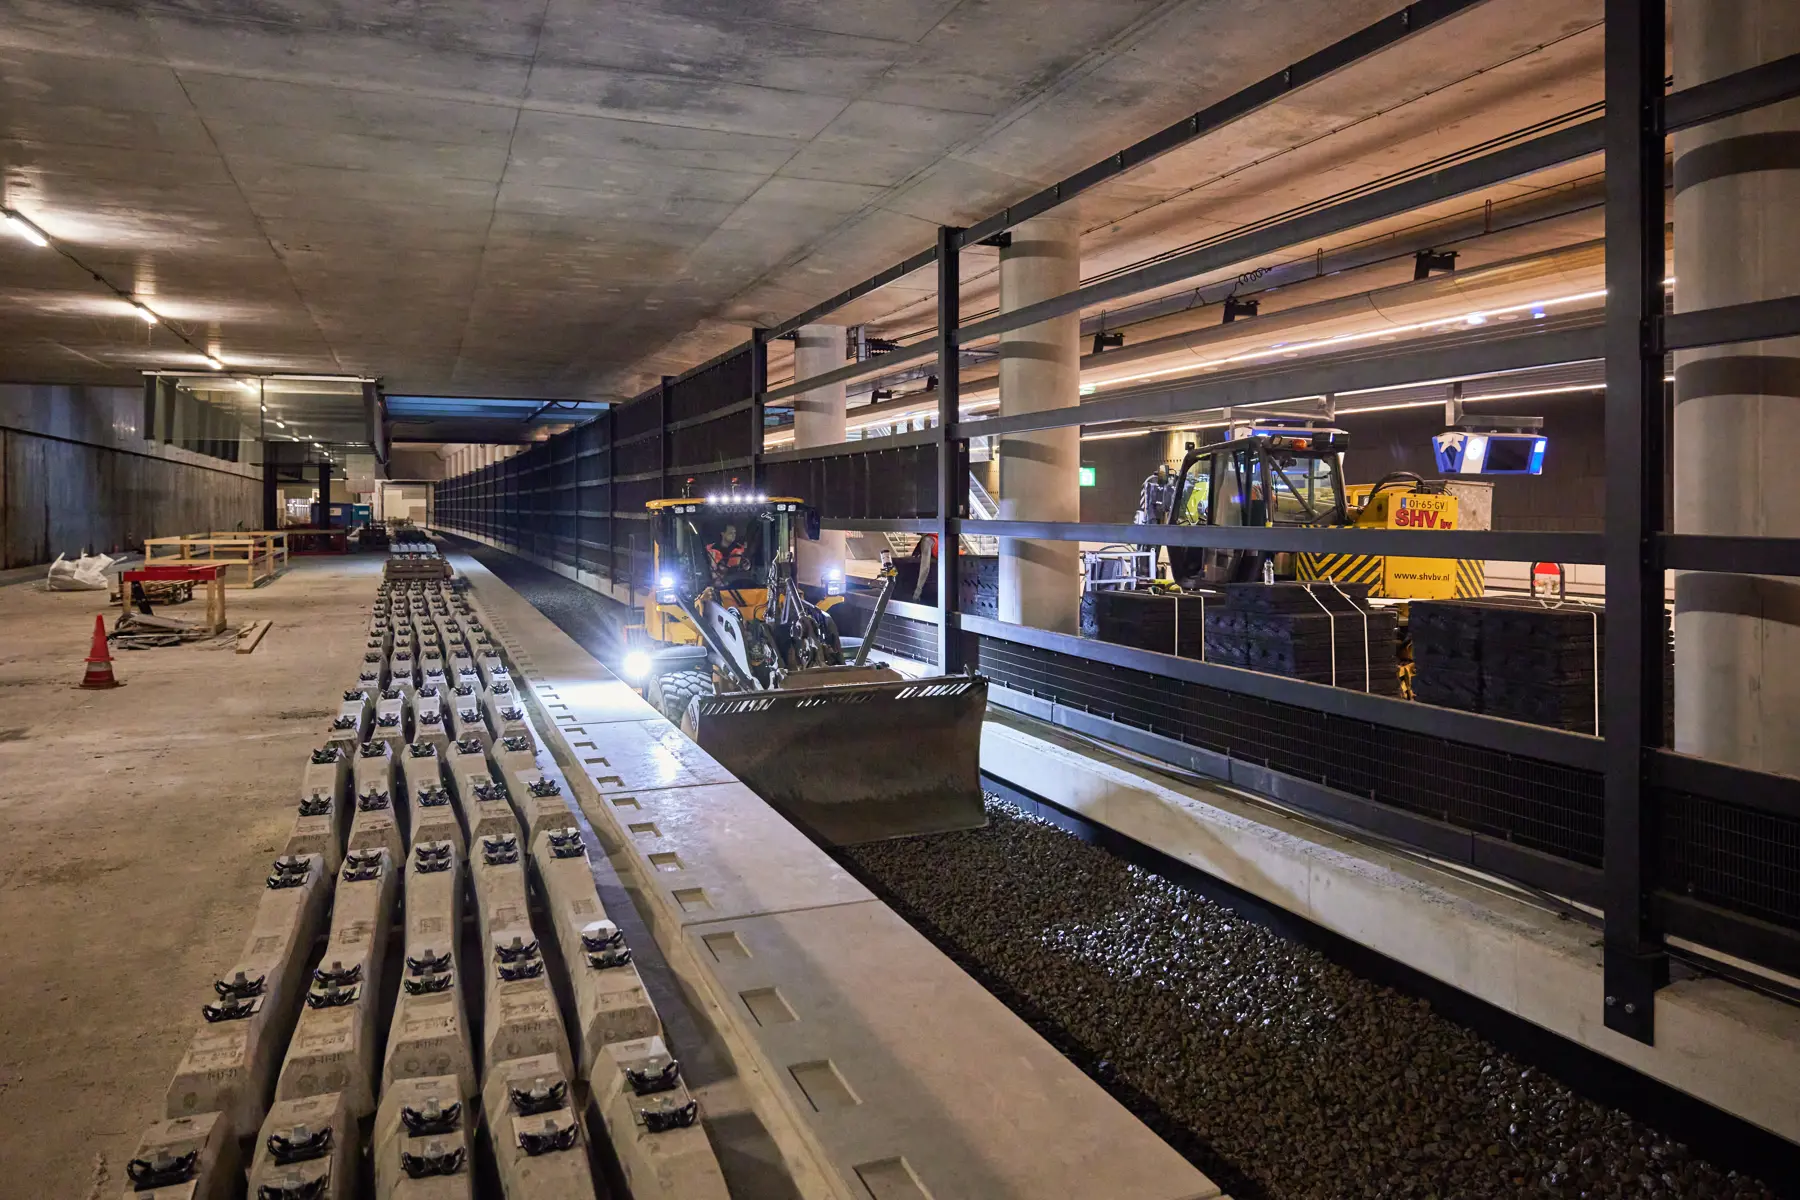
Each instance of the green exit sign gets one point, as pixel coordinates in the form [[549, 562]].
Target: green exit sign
[[1087, 477]]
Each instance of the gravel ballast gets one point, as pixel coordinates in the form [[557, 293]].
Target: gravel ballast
[[1280, 1073]]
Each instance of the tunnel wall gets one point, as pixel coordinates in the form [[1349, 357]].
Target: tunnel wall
[[76, 472]]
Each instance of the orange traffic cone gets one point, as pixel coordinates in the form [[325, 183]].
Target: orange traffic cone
[[99, 660]]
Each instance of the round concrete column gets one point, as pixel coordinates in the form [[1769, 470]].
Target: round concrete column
[[819, 421], [1737, 407], [1040, 473]]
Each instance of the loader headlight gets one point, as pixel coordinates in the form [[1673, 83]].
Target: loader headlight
[[834, 582], [665, 589], [636, 666]]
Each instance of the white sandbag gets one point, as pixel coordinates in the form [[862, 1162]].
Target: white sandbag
[[85, 574]]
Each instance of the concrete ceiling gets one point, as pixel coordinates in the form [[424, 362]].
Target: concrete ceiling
[[566, 198]]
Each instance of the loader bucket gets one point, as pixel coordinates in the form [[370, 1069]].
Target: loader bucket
[[856, 762]]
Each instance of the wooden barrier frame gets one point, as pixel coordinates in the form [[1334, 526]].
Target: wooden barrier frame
[[248, 559]]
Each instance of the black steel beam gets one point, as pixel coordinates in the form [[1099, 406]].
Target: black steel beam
[[873, 365], [717, 414], [1729, 554], [1635, 962], [881, 524], [1513, 737], [874, 282], [1760, 790], [1412, 543], [1546, 872], [952, 453], [1729, 95], [1576, 338], [893, 441], [1549, 150], [1759, 320], [1364, 43], [723, 464], [1734, 933]]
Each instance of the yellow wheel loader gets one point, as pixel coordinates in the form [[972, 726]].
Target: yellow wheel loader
[[734, 651]]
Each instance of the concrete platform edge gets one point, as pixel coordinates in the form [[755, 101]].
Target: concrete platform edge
[[1733, 1048]]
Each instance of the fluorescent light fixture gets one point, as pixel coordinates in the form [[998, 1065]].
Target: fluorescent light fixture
[[1289, 349], [24, 228], [1107, 437], [144, 313]]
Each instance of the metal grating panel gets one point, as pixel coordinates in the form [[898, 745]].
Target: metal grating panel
[[904, 636], [1539, 805], [1738, 858]]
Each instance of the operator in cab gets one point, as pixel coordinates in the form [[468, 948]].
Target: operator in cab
[[727, 553]]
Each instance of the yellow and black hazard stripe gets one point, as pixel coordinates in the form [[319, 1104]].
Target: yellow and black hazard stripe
[[1342, 568], [1471, 578]]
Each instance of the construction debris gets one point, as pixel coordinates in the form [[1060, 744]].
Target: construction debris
[[142, 631], [251, 636]]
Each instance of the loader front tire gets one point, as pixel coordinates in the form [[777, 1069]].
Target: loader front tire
[[671, 693]]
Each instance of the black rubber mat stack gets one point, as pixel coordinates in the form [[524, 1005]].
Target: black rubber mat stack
[[1446, 646], [1152, 621], [1515, 658], [1319, 632], [1543, 665]]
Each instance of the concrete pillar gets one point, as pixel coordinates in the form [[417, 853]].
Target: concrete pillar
[[819, 421], [1040, 473], [1737, 407]]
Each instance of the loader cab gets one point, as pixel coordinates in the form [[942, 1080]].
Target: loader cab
[[729, 541], [1259, 475]]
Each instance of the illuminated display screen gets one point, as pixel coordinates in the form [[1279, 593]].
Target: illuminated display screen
[[1461, 453]]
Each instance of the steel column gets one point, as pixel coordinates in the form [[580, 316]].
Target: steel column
[[271, 487], [663, 442], [952, 452], [1635, 962], [324, 493], [759, 383]]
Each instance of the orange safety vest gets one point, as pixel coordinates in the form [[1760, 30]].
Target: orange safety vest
[[729, 559]]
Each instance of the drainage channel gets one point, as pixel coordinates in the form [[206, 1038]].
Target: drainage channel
[[1283, 1060]]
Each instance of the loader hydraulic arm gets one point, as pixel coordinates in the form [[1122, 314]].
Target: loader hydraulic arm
[[888, 578], [723, 637]]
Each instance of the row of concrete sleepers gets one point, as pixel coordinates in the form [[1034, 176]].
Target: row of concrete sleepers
[[337, 1050]]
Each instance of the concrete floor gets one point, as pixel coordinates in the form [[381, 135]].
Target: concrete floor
[[137, 827]]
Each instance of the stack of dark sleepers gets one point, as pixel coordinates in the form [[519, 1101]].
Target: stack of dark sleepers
[[1152, 621], [1515, 658], [1319, 632]]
